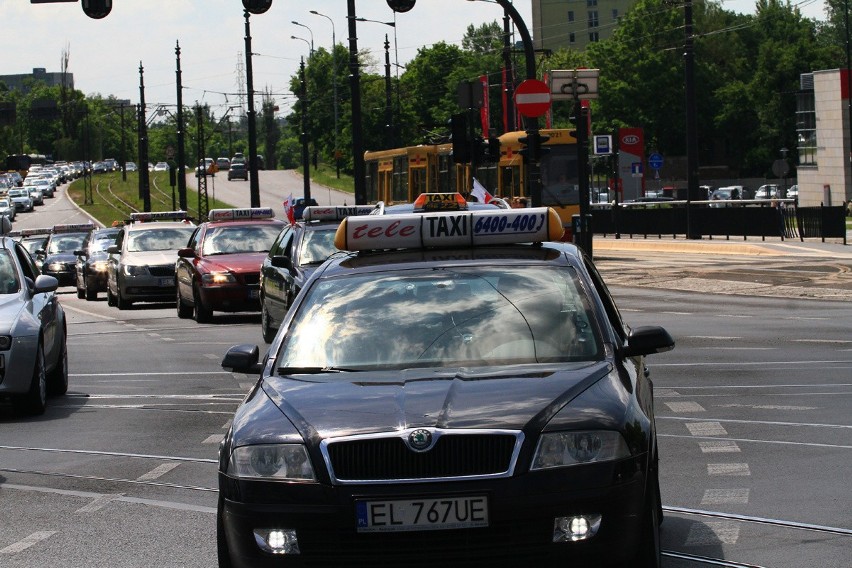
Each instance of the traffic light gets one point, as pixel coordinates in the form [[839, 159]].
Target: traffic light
[[494, 148], [542, 150], [97, 9], [533, 150], [461, 143]]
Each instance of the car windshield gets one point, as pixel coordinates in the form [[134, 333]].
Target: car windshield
[[66, 243], [450, 317], [101, 243], [33, 245], [317, 246], [239, 239], [162, 238], [9, 283]]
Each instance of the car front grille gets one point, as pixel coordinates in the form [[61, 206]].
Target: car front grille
[[252, 279], [454, 455], [165, 270]]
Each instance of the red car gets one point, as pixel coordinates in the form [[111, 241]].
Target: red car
[[220, 268]]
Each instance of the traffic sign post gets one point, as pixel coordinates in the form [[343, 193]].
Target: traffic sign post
[[655, 161], [603, 145], [532, 98]]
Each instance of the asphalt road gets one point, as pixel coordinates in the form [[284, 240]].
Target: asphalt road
[[752, 410]]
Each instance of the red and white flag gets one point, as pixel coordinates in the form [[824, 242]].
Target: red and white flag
[[290, 208], [480, 192]]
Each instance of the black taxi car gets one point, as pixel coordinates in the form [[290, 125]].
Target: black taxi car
[[297, 251], [34, 240], [58, 258], [93, 261], [452, 390], [219, 269]]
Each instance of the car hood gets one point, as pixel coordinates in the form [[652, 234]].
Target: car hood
[[151, 258], [497, 397], [242, 262]]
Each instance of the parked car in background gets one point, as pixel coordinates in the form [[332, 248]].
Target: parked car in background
[[729, 193], [161, 167], [793, 192], [131, 167], [767, 191]]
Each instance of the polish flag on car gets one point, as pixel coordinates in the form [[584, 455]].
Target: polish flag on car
[[480, 192], [290, 208]]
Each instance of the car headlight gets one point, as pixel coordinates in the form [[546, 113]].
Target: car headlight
[[561, 449], [131, 270], [272, 461], [55, 266], [217, 278], [5, 342], [100, 266]]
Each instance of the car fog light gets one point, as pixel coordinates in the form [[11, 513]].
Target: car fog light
[[572, 529], [277, 541]]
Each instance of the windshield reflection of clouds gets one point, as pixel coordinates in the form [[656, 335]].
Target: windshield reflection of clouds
[[158, 239], [478, 316], [239, 239], [66, 243], [317, 246]]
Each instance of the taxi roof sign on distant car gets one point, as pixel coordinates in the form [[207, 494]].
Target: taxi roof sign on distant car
[[241, 214], [473, 228], [38, 231], [142, 217], [334, 213], [73, 228], [440, 202]]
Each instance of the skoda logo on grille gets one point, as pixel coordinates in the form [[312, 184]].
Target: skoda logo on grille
[[420, 439]]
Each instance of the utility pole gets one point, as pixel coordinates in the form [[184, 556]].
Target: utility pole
[[254, 183], [389, 141], [201, 170], [357, 125], [305, 139], [691, 122], [144, 178], [181, 135]]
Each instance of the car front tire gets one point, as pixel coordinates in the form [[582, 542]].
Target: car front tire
[[266, 327], [57, 380], [202, 313], [121, 302], [35, 401], [183, 311]]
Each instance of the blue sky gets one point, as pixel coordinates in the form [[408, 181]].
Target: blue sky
[[105, 54]]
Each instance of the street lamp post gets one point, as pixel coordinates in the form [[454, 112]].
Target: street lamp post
[[302, 39], [334, 87], [389, 122], [357, 123], [310, 32]]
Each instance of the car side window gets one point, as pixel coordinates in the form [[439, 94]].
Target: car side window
[[612, 312], [195, 240], [281, 242], [27, 265]]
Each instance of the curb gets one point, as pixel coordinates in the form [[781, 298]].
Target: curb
[[684, 247]]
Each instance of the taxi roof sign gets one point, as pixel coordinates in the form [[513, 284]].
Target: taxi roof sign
[[447, 229], [440, 202], [243, 214], [142, 217], [73, 228], [335, 213], [39, 231]]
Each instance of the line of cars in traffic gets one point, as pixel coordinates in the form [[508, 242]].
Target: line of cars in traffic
[[448, 383]]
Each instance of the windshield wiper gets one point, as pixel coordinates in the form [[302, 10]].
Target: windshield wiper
[[314, 370]]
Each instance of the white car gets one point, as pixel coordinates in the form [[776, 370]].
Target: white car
[[161, 167], [7, 209], [21, 199]]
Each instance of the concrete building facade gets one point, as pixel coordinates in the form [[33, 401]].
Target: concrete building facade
[[823, 139], [21, 82], [575, 24]]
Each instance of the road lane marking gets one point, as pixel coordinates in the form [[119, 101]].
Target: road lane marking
[[766, 406], [85, 494], [157, 472], [718, 447], [712, 533], [706, 429], [99, 503], [778, 442], [735, 469], [725, 497], [665, 393], [214, 439], [34, 538], [686, 406], [765, 422]]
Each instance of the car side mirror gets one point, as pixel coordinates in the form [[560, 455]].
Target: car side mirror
[[284, 262], [113, 249], [243, 359], [44, 283], [648, 340], [186, 253]]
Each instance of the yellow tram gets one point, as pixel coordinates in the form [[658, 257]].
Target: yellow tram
[[401, 174]]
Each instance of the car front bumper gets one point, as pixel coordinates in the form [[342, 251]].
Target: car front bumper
[[522, 512], [231, 298]]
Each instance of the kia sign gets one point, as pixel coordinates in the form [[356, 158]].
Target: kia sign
[[532, 98]]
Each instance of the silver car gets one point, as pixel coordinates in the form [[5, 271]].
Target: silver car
[[7, 208], [33, 354], [21, 199], [141, 265]]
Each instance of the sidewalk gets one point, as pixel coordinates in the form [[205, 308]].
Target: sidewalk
[[771, 268]]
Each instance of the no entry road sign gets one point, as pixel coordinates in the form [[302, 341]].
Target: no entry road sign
[[532, 98]]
